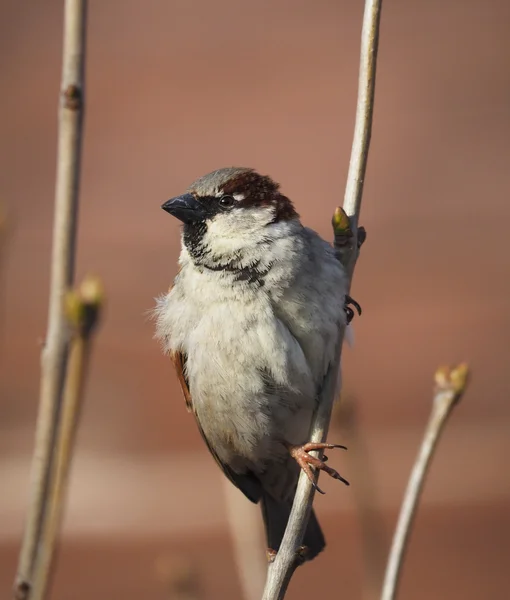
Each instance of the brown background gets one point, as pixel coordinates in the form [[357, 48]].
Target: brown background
[[176, 89]]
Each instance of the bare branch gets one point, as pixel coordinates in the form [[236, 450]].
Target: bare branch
[[346, 243], [450, 386], [83, 309], [62, 272]]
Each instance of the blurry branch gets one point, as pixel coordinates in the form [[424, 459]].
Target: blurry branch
[[54, 355], [345, 226], [450, 384], [373, 535], [83, 309], [248, 540]]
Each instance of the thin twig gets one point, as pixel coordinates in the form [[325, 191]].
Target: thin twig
[[55, 352], [83, 309], [450, 386], [281, 569]]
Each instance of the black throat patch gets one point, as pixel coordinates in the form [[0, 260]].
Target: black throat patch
[[193, 235], [253, 274]]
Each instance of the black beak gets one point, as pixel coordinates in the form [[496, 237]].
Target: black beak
[[186, 208]]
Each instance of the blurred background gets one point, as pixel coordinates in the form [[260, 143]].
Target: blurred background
[[174, 90]]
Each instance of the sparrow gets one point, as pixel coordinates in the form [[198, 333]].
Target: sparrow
[[251, 324]]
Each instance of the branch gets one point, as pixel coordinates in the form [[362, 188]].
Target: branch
[[450, 386], [54, 355], [345, 226], [83, 310]]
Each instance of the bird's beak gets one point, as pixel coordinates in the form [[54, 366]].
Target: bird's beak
[[186, 208]]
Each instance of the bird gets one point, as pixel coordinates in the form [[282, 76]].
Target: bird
[[251, 324]]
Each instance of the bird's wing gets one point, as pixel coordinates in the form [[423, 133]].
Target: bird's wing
[[247, 482], [179, 359]]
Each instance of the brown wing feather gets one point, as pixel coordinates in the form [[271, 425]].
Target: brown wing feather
[[247, 483], [179, 360]]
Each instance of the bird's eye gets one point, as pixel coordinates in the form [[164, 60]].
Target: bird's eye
[[226, 201]]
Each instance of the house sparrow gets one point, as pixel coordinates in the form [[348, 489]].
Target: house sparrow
[[251, 323]]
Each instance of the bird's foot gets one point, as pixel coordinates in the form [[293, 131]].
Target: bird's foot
[[348, 310], [305, 461]]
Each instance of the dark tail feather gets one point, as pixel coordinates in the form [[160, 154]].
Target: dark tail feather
[[276, 514]]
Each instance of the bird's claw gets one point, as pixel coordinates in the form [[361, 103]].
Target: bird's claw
[[305, 461], [348, 310]]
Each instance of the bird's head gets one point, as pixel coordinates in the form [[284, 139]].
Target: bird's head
[[231, 210]]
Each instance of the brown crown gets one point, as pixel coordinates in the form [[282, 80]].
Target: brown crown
[[260, 190]]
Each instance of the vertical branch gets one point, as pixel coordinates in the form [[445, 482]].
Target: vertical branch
[[345, 225], [83, 310], [364, 109], [450, 386], [54, 355]]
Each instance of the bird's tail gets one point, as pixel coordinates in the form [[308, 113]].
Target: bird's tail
[[276, 514]]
